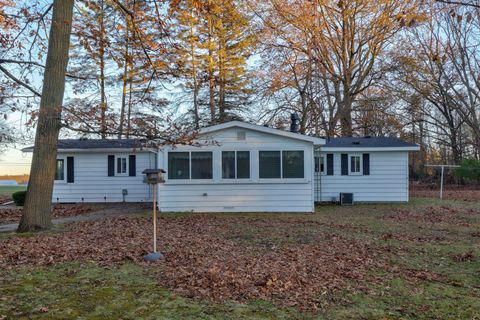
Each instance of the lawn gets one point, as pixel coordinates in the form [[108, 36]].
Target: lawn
[[414, 261], [8, 190]]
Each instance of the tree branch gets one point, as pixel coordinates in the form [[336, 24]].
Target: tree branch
[[462, 3], [20, 82]]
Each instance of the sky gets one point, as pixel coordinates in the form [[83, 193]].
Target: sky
[[14, 161]]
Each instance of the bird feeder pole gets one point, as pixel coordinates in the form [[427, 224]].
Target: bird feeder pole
[[153, 177]]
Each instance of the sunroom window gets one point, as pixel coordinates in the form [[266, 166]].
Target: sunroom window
[[190, 165], [235, 164], [202, 165], [269, 164], [281, 164], [292, 164]]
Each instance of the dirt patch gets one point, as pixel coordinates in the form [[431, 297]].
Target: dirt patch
[[202, 263]]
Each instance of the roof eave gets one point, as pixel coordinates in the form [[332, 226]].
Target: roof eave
[[359, 149], [92, 150]]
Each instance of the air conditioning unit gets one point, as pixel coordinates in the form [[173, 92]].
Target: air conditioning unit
[[346, 198]]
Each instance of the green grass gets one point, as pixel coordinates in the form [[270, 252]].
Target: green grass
[[8, 190], [74, 291], [131, 292]]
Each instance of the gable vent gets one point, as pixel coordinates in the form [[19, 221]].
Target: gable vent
[[241, 135]]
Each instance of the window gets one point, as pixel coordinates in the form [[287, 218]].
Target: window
[[355, 164], [190, 165], [178, 165], [320, 164], [269, 164], [121, 166], [292, 164], [235, 164], [281, 164], [60, 170], [202, 165]]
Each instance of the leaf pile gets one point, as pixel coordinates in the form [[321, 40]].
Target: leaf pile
[[432, 215], [59, 211], [460, 195], [202, 260]]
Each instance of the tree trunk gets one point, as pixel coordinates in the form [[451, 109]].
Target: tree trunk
[[194, 73], [103, 102], [38, 203], [211, 80], [125, 83]]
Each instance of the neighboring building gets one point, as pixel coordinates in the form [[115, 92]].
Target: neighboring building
[[236, 167]]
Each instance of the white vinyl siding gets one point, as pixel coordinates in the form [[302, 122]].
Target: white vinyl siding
[[93, 184], [253, 194], [387, 181]]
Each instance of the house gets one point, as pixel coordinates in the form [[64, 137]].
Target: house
[[236, 167]]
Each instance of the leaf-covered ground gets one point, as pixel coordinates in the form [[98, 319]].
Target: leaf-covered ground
[[420, 260], [10, 215]]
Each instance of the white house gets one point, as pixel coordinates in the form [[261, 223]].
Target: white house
[[236, 167]]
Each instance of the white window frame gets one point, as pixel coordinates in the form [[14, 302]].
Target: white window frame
[[281, 165], [64, 170], [235, 169], [126, 165], [360, 169], [190, 179], [320, 157]]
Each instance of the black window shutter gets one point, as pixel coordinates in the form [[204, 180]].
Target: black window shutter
[[329, 164], [111, 165], [70, 170], [344, 164], [366, 164], [132, 166]]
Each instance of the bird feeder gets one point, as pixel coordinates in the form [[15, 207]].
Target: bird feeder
[[154, 177]]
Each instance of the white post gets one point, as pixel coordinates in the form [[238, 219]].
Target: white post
[[154, 218], [441, 183]]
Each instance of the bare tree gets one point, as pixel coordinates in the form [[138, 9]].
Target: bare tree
[[37, 210]]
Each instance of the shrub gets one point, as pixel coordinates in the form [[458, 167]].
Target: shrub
[[19, 197], [469, 170]]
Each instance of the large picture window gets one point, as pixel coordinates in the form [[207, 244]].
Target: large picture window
[[235, 164], [60, 170], [281, 164], [190, 165]]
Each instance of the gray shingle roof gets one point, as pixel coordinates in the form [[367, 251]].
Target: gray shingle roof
[[367, 142], [66, 144]]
